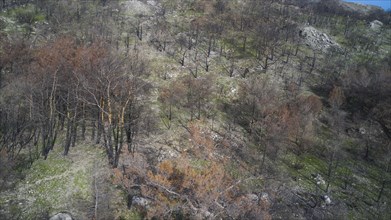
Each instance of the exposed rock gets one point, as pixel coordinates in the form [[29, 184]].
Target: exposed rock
[[317, 39], [362, 130], [140, 202], [326, 199], [252, 197], [319, 180], [264, 199], [62, 216], [376, 25], [203, 213], [166, 153], [133, 192], [215, 136]]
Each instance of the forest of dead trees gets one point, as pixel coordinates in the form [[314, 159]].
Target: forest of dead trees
[[77, 71]]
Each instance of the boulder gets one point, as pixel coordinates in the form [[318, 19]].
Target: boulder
[[140, 202], [375, 25], [253, 197], [265, 199], [327, 199], [62, 216]]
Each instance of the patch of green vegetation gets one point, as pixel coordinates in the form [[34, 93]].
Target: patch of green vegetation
[[358, 184], [15, 210], [56, 184], [306, 164], [161, 68], [49, 167], [247, 182], [20, 20], [130, 215], [304, 167], [349, 144], [122, 212], [233, 171], [8, 25], [82, 184], [200, 163], [254, 185], [26, 14], [313, 164]]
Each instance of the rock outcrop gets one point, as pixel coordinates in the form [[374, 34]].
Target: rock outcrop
[[376, 26], [317, 40]]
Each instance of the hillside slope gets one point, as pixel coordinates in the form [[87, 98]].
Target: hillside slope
[[178, 109]]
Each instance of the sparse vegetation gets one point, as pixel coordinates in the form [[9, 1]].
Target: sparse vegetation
[[195, 109]]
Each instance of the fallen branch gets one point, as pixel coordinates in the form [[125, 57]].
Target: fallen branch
[[162, 187], [174, 193]]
